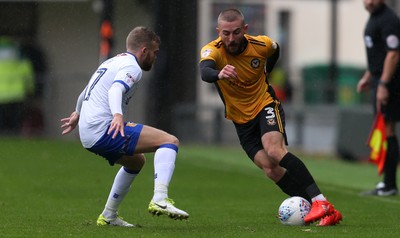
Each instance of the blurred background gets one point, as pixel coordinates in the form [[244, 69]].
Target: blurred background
[[50, 48]]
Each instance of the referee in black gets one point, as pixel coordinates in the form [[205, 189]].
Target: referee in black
[[382, 41]]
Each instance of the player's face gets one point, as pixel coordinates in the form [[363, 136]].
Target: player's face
[[373, 5], [150, 56], [232, 34]]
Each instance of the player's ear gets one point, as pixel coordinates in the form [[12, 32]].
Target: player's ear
[[245, 27], [144, 50]]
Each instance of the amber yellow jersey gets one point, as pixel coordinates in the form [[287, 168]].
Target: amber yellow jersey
[[246, 96]]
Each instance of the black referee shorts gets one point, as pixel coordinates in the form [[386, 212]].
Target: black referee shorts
[[271, 118]]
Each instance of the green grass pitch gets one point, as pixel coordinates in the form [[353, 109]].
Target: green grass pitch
[[53, 188]]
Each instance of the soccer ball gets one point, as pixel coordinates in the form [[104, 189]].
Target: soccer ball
[[293, 210]]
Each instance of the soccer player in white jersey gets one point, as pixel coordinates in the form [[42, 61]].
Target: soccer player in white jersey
[[103, 131]]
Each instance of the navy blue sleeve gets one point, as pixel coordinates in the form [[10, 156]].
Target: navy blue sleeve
[[271, 61], [208, 71]]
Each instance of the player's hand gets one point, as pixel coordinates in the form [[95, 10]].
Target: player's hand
[[69, 123], [227, 72], [382, 96], [117, 126], [363, 84]]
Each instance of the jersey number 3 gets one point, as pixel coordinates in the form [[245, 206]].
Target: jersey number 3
[[270, 112]]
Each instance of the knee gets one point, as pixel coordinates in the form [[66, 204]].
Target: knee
[[274, 146], [275, 153], [173, 140], [141, 160]]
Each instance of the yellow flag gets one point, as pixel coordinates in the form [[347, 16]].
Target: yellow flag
[[378, 143]]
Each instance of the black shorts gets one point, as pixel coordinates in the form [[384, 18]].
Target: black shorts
[[271, 118], [391, 111]]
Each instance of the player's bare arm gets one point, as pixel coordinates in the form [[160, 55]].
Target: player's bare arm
[[389, 67]]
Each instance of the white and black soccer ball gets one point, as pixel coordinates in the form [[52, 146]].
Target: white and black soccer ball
[[293, 210]]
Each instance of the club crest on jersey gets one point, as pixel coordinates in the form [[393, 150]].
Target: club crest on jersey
[[255, 63], [271, 122]]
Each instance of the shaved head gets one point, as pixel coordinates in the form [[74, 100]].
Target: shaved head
[[230, 15]]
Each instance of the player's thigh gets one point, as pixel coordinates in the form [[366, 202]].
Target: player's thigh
[[151, 139], [273, 139], [272, 124]]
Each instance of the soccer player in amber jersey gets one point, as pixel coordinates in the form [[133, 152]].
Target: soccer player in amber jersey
[[238, 64]]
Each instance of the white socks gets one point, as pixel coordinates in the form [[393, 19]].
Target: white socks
[[319, 197], [119, 189], [164, 166]]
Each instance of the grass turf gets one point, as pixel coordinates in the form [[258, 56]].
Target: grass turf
[[57, 189]]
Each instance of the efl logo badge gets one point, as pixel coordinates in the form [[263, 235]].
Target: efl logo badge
[[205, 53]]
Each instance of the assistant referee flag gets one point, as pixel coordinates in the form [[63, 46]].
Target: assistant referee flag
[[378, 143]]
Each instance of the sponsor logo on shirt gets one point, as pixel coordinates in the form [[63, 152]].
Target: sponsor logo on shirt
[[130, 77]]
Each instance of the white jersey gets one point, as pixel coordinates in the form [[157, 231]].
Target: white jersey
[[95, 113]]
